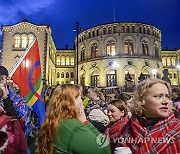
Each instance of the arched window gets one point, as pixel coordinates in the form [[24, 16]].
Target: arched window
[[82, 54], [144, 30], [156, 50], [148, 31], [109, 30], [133, 29], [93, 34], [58, 74], [111, 78], [30, 39], [104, 31], [173, 62], [94, 50], [58, 60], [72, 75], [17, 41], [140, 29], [62, 60], [128, 47], [114, 29], [97, 32], [62, 75], [67, 61], [110, 48], [164, 61], [122, 29], [72, 61], [95, 79], [89, 34], [168, 62], [128, 29], [67, 75], [24, 41], [145, 48]]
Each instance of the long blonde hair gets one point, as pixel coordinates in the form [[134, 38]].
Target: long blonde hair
[[61, 106], [141, 93]]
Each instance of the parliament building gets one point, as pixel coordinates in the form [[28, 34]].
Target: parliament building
[[112, 55]]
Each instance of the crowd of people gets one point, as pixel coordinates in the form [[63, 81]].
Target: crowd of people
[[85, 120]]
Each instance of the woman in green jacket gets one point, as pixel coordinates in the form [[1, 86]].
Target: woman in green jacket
[[66, 129]]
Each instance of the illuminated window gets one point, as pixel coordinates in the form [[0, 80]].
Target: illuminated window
[[173, 62], [63, 61], [67, 60], [104, 31], [24, 42], [145, 48], [168, 62], [128, 47], [109, 30], [58, 61], [72, 61], [30, 38], [94, 50], [164, 61], [114, 29], [58, 74], [95, 79], [17, 41], [122, 29], [110, 48]]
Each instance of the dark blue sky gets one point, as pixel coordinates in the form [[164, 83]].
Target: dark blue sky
[[62, 15]]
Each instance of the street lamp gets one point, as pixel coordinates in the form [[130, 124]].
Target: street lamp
[[77, 30], [115, 65], [154, 72]]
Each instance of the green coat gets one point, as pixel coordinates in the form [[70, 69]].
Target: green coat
[[73, 137]]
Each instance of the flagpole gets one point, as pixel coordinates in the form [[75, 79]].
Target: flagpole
[[13, 69]]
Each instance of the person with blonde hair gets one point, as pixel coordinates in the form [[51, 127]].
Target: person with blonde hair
[[153, 127], [66, 129]]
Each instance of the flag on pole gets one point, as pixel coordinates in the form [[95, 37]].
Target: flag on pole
[[27, 75]]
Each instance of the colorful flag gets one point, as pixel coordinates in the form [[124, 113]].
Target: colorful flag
[[27, 75]]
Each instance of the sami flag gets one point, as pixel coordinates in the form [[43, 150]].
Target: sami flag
[[27, 75]]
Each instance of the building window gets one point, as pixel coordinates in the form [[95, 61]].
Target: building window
[[140, 29], [72, 75], [109, 30], [89, 34], [72, 61], [145, 48], [82, 54], [175, 75], [17, 42], [110, 48], [168, 62], [24, 42], [67, 75], [164, 61], [58, 75], [104, 31], [114, 29], [93, 34], [128, 47], [62, 60], [133, 29], [95, 80], [156, 50], [128, 29], [170, 75], [111, 79], [30, 39], [173, 62], [94, 50], [58, 61], [62, 75], [122, 29], [67, 61]]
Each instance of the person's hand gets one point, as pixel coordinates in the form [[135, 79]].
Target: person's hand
[[82, 116], [5, 94], [95, 107]]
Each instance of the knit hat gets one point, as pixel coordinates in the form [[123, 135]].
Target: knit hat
[[3, 71]]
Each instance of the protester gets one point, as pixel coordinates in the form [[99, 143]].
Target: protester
[[8, 106], [153, 127], [66, 129], [127, 99], [176, 101], [12, 139], [94, 110], [117, 112], [84, 96]]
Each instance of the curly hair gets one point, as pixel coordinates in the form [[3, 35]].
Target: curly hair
[[141, 92], [61, 106]]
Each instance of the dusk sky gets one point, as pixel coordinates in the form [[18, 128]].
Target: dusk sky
[[62, 15]]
